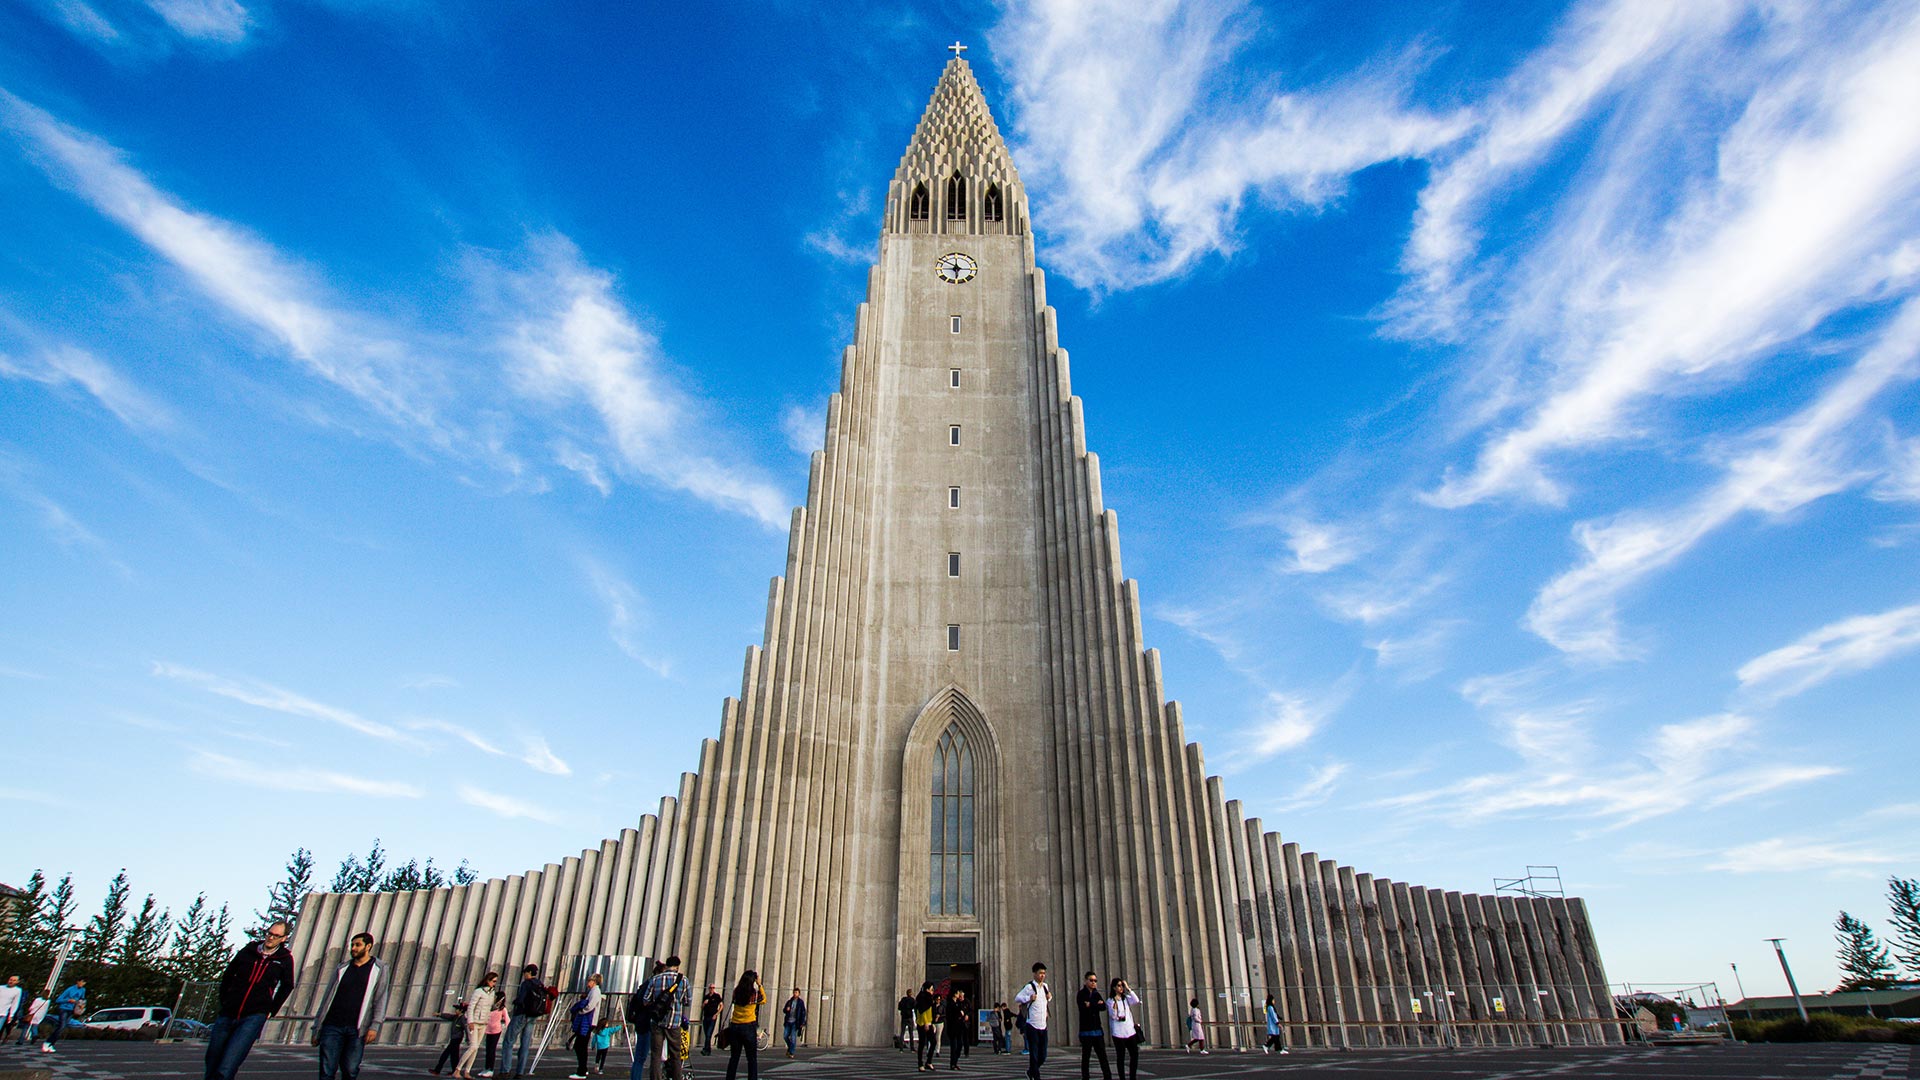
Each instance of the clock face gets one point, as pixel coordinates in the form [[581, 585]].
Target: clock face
[[955, 267]]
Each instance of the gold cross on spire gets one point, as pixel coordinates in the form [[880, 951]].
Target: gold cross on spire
[[956, 48]]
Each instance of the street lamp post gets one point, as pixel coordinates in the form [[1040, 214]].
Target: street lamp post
[[1791, 985]]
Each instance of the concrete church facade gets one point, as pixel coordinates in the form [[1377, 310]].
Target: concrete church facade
[[952, 754]]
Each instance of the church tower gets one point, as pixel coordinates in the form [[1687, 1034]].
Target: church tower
[[952, 754]]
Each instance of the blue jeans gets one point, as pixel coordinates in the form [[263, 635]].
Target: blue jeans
[[519, 1036], [793, 1035], [229, 1042], [642, 1047], [1037, 1050], [57, 1025], [340, 1049]]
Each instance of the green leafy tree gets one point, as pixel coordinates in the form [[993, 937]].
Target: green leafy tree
[[1863, 960], [356, 875], [103, 931], [56, 917], [213, 950], [283, 899], [1903, 897], [22, 933], [146, 937]]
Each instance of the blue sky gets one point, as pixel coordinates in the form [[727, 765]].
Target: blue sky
[[1510, 410]]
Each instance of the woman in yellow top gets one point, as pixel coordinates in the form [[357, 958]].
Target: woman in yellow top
[[743, 1025]]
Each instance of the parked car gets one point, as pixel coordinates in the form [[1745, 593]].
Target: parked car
[[184, 1028], [128, 1019]]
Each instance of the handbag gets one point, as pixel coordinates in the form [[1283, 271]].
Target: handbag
[[724, 1040]]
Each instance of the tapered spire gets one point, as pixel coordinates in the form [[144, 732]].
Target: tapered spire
[[956, 175]]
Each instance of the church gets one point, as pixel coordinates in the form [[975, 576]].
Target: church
[[952, 754]]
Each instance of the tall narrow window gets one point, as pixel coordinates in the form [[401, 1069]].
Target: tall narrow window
[[953, 378], [953, 564], [955, 324], [918, 204], [957, 198], [990, 208], [953, 435], [953, 498], [950, 885], [953, 637]]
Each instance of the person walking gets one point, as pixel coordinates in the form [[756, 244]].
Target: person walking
[[11, 1007], [497, 1019], [1011, 1021], [67, 1004], [1033, 1000], [959, 1029], [905, 1008], [1125, 1026], [1275, 1041], [255, 984], [793, 1020], [603, 1042], [926, 1013], [531, 1001], [474, 1019], [641, 1017], [36, 1014], [582, 1015], [1196, 1027], [997, 1026], [709, 1015], [1091, 1007], [449, 1059], [743, 1025], [669, 1000], [351, 1011]]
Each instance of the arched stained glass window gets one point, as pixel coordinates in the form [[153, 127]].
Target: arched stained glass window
[[950, 884], [957, 198], [917, 203]]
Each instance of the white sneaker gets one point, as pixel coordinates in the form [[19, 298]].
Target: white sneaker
[[1284, 1050], [46, 1048], [1266, 1050], [576, 1076], [1206, 1051]]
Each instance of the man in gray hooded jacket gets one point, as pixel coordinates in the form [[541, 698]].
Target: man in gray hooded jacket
[[352, 1011]]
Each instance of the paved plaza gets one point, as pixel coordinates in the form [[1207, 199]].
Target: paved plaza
[[1851, 1061]]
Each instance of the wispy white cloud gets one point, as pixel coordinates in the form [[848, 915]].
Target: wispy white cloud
[[282, 777], [66, 530], [625, 609], [805, 429], [458, 731], [572, 340], [429, 682], [1145, 162], [222, 21], [584, 465], [1420, 653], [1782, 855], [1788, 466], [236, 269], [1317, 547], [1704, 762], [68, 365], [1840, 648], [84, 20], [507, 806], [541, 758], [264, 695], [1287, 721], [1319, 786], [1791, 225]]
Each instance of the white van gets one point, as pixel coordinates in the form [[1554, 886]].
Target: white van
[[129, 1019]]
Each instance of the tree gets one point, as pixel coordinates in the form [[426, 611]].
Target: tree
[[146, 936], [357, 876], [1903, 897], [464, 875], [103, 930], [283, 899], [1863, 960], [56, 917], [22, 932], [210, 953], [186, 938]]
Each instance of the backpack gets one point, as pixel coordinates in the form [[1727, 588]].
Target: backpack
[[548, 995], [639, 1013]]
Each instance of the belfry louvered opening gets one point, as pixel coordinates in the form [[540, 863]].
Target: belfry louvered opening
[[956, 198]]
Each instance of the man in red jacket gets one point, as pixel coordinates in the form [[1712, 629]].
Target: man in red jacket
[[254, 986]]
